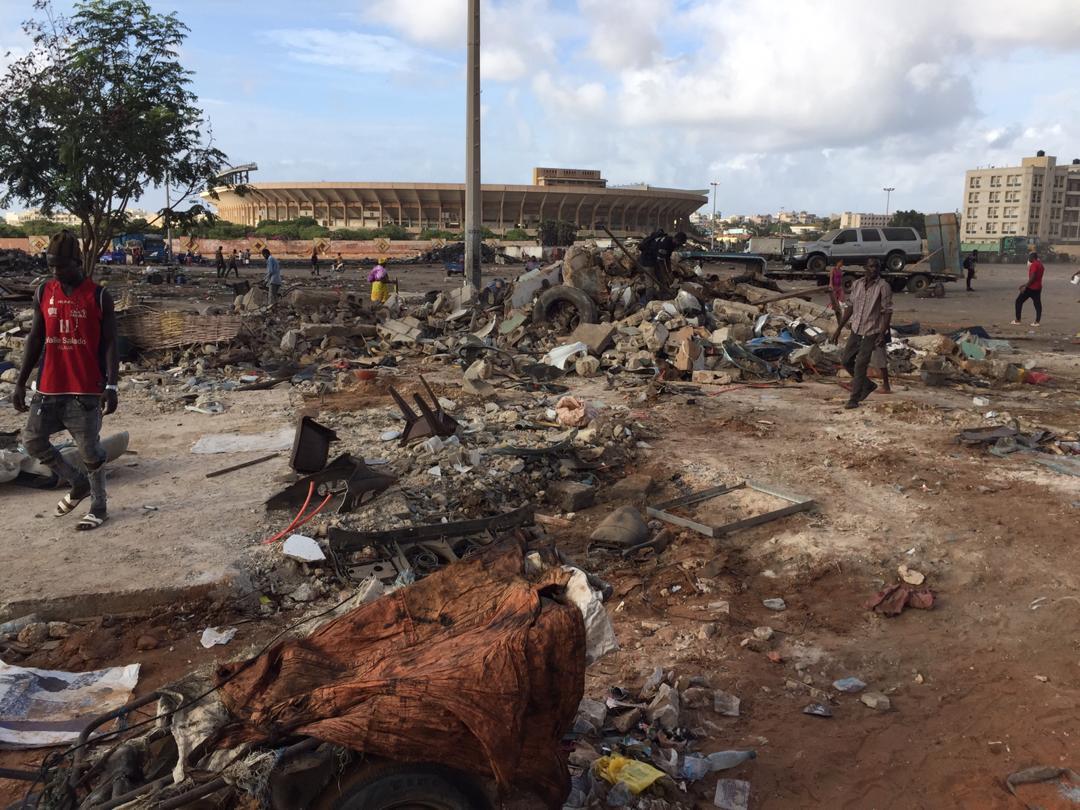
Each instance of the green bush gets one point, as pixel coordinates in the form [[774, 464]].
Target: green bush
[[356, 234], [435, 233], [517, 235], [11, 231]]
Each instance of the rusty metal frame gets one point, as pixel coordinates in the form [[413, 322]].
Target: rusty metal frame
[[431, 421], [796, 503]]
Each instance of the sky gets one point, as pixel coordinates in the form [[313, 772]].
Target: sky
[[799, 104]]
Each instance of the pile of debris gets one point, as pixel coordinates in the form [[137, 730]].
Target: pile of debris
[[15, 262]]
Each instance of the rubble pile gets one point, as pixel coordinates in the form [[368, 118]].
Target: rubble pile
[[641, 749], [15, 262]]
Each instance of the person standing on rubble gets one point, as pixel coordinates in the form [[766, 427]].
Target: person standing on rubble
[[72, 346], [380, 284], [655, 252], [219, 262], [314, 262], [1031, 290], [870, 315], [273, 275], [234, 259]]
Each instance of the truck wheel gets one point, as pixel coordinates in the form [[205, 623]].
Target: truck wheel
[[918, 283], [816, 263], [895, 262], [898, 284], [564, 308], [849, 282], [416, 787]]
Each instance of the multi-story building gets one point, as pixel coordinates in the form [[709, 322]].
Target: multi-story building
[[1037, 199], [850, 220], [19, 218]]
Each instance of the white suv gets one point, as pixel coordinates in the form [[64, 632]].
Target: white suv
[[893, 247]]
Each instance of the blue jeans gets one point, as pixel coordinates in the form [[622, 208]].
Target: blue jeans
[[81, 417]]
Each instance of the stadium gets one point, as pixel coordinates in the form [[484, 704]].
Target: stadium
[[579, 196]]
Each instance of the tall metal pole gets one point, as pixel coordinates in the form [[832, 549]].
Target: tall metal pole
[[712, 229], [888, 193], [168, 222], [473, 209]]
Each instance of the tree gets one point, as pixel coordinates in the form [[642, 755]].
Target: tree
[[909, 219], [557, 234], [8, 230], [99, 110], [516, 235]]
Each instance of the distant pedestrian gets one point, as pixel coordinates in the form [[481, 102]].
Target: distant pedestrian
[[836, 288], [233, 261], [273, 275], [314, 262], [339, 264], [245, 254], [380, 284], [870, 314], [219, 261], [1031, 290], [969, 266]]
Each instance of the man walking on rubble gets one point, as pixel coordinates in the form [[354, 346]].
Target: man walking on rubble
[[870, 314], [72, 346], [219, 262], [1031, 290], [273, 275], [656, 250]]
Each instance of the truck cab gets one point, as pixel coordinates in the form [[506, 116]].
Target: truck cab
[[894, 247]]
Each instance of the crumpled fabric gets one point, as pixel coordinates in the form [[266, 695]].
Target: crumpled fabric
[[474, 667], [892, 600], [573, 412]]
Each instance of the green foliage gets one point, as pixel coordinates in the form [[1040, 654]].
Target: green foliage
[[517, 235], [98, 110], [910, 219], [10, 231], [354, 234], [391, 232], [140, 225], [43, 227], [557, 234], [435, 233], [219, 230], [299, 228]]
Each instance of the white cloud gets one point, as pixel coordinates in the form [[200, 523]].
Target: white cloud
[[439, 23], [356, 50], [628, 35]]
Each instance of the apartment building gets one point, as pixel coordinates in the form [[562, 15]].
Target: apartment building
[[851, 220], [1037, 199]]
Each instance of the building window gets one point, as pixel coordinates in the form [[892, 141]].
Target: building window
[[992, 212], [972, 213], [1055, 213], [1036, 197], [973, 197], [1074, 185], [1059, 181], [1012, 196], [973, 182], [969, 227], [1072, 200], [1053, 229], [1038, 180], [1014, 180], [995, 196]]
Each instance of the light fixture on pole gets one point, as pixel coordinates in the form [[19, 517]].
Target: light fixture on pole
[[473, 209], [712, 226], [888, 193]]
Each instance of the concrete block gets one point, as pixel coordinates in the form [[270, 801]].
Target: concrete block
[[718, 377], [571, 496], [597, 336]]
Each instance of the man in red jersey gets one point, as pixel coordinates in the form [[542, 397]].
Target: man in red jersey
[[1032, 289], [72, 346]]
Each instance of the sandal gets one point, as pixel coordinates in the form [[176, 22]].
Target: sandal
[[68, 503], [89, 522]]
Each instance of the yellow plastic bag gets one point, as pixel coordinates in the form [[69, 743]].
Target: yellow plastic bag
[[637, 775]]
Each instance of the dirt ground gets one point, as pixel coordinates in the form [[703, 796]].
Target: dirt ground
[[983, 685]]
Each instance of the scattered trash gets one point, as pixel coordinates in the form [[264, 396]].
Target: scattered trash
[[44, 707], [910, 575], [732, 794], [212, 636], [775, 604], [622, 528], [818, 710], [849, 685], [637, 776], [876, 700], [892, 600], [303, 548]]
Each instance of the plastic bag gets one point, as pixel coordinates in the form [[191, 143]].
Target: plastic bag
[[637, 776]]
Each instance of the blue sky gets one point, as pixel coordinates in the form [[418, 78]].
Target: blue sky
[[805, 104]]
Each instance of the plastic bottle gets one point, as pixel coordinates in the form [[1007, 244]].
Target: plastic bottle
[[722, 760]]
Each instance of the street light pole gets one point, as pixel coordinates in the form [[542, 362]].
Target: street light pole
[[712, 228], [888, 193], [473, 209]]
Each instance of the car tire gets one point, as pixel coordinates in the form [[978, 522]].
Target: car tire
[[895, 262], [898, 284], [552, 305], [417, 787], [918, 283], [816, 263]]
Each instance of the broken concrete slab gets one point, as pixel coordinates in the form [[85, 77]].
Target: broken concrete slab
[[571, 496], [725, 377], [622, 528], [598, 337], [664, 710], [632, 489]]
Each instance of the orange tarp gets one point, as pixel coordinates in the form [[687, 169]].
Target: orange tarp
[[475, 667]]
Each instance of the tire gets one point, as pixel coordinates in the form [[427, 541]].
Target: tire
[[849, 282], [413, 787], [895, 262], [565, 307], [816, 263], [918, 283], [898, 284]]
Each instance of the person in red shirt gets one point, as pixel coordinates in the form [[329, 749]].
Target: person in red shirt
[[72, 346], [1032, 290]]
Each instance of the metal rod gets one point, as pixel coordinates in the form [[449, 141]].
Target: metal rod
[[473, 206], [241, 466]]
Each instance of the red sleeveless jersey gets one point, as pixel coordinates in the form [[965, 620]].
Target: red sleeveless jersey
[[72, 357]]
